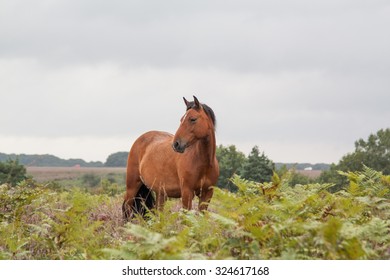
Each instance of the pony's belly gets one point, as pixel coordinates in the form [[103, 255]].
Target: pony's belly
[[158, 171], [168, 190], [163, 185]]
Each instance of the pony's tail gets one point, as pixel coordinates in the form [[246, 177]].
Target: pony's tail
[[143, 201]]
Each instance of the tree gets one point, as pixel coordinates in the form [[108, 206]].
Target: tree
[[257, 167], [230, 162], [118, 159], [373, 153], [11, 172]]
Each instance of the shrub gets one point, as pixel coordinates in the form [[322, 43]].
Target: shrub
[[90, 180], [11, 172]]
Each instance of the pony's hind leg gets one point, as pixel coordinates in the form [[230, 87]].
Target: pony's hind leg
[[133, 184], [126, 210]]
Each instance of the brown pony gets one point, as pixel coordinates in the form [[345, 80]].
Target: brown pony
[[181, 165]]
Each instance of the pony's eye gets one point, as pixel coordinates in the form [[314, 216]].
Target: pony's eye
[[193, 120]]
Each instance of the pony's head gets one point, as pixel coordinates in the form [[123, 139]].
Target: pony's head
[[197, 123]]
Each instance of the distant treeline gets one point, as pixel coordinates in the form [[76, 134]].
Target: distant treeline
[[48, 160]]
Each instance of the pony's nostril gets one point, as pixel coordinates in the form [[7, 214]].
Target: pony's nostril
[[176, 145]]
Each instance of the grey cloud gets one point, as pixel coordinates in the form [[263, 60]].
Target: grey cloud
[[253, 36], [299, 71]]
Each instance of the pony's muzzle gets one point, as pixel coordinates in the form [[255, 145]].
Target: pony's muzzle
[[178, 147]]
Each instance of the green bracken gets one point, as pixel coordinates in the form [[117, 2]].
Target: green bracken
[[272, 220]]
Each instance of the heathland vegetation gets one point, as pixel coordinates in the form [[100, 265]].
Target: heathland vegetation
[[273, 214]]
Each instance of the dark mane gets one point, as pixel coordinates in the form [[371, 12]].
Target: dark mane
[[207, 109]]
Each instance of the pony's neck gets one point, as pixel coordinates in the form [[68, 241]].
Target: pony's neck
[[208, 147]]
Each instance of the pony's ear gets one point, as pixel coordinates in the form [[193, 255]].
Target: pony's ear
[[197, 103], [188, 105]]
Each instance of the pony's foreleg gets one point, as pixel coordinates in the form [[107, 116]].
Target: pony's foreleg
[[161, 198], [186, 198], [205, 198]]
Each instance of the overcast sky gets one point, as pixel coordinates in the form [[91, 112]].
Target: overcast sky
[[301, 79]]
